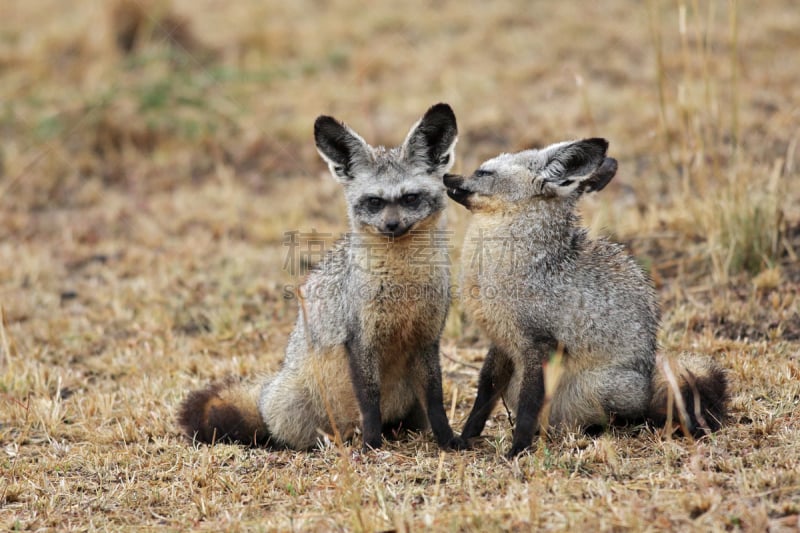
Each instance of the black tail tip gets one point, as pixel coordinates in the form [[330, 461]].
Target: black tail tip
[[704, 397], [705, 400], [193, 416], [204, 416]]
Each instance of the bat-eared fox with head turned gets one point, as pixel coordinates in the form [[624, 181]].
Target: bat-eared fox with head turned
[[536, 284], [364, 352]]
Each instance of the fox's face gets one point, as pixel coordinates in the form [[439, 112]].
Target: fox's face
[[391, 191], [559, 171]]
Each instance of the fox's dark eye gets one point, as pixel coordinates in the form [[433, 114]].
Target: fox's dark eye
[[409, 200], [375, 204], [480, 173]]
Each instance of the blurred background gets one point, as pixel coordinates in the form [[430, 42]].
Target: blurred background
[[133, 99]]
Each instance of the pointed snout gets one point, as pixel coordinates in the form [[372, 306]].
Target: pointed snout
[[391, 223], [394, 229], [455, 189]]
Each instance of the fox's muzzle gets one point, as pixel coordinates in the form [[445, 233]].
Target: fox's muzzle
[[394, 229], [391, 223], [455, 191]]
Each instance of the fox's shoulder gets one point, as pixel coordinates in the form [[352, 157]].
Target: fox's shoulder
[[604, 249], [335, 262], [613, 261]]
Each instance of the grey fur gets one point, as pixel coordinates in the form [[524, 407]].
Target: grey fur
[[532, 280]]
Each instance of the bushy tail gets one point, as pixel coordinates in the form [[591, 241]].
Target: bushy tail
[[692, 391], [224, 412]]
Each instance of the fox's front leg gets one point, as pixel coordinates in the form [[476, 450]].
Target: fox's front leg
[[427, 375], [365, 376], [492, 383], [529, 404]]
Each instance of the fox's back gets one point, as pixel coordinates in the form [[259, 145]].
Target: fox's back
[[589, 295], [606, 306]]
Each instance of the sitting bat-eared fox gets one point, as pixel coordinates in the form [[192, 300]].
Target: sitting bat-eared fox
[[536, 284], [364, 352]]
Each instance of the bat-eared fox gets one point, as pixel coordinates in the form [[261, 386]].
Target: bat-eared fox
[[537, 284], [364, 352]]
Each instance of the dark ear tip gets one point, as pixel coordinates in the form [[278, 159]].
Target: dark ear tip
[[324, 121], [441, 109], [603, 175], [598, 142]]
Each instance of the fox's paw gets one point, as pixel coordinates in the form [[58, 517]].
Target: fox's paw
[[371, 445], [456, 443], [515, 450]]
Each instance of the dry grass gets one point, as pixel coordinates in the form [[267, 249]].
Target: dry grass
[[150, 166]]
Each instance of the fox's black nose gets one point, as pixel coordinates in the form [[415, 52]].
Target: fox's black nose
[[393, 228]]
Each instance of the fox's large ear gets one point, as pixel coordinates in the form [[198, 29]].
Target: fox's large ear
[[342, 148], [575, 166], [431, 142], [600, 177]]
